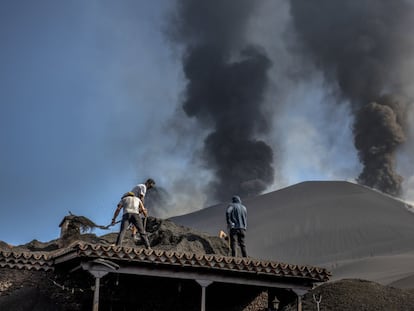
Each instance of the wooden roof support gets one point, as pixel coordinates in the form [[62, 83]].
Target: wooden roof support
[[203, 284], [299, 294], [252, 279], [98, 268], [101, 267], [98, 275]]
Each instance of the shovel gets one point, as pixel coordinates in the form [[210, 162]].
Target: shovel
[[110, 225]]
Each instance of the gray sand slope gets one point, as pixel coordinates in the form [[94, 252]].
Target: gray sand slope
[[350, 229]]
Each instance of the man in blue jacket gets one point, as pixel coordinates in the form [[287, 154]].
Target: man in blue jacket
[[236, 217]]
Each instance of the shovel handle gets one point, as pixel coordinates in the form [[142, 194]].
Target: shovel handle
[[111, 224]]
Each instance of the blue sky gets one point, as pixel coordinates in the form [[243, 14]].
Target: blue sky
[[80, 83], [90, 105]]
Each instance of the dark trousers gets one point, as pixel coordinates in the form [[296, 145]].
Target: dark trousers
[[129, 218], [237, 237]]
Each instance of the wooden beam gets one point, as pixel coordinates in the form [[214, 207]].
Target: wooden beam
[[212, 276]]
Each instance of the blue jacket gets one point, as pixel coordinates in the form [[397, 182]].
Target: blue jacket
[[236, 214]]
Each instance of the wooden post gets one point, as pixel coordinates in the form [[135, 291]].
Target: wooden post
[[96, 295], [299, 303], [98, 275], [299, 293], [98, 268], [203, 284]]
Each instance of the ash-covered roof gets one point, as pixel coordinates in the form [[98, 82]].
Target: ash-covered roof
[[177, 252], [193, 260], [161, 258]]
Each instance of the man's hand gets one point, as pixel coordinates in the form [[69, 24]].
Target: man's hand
[[113, 221]]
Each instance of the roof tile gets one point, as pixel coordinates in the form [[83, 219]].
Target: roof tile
[[45, 261]]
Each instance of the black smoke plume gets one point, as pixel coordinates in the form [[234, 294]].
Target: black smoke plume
[[363, 48], [226, 81]]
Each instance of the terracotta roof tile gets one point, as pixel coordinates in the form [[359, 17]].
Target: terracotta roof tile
[[46, 260], [208, 261], [26, 260]]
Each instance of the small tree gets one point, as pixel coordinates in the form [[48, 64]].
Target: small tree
[[317, 300]]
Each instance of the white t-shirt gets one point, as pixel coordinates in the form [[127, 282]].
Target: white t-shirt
[[140, 189], [130, 204]]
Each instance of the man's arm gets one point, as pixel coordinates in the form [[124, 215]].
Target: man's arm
[[142, 209], [141, 197], [118, 209], [228, 216]]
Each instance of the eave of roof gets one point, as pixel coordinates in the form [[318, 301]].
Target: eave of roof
[[216, 263], [161, 259]]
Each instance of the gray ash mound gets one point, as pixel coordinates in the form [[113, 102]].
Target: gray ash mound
[[166, 235], [355, 294], [162, 233]]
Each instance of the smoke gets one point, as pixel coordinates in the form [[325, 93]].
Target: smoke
[[365, 49], [157, 201], [378, 132], [226, 81]]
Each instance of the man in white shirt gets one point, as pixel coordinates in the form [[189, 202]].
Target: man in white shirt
[[132, 207], [140, 190]]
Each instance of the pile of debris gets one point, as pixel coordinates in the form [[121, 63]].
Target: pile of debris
[[356, 294], [162, 233]]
